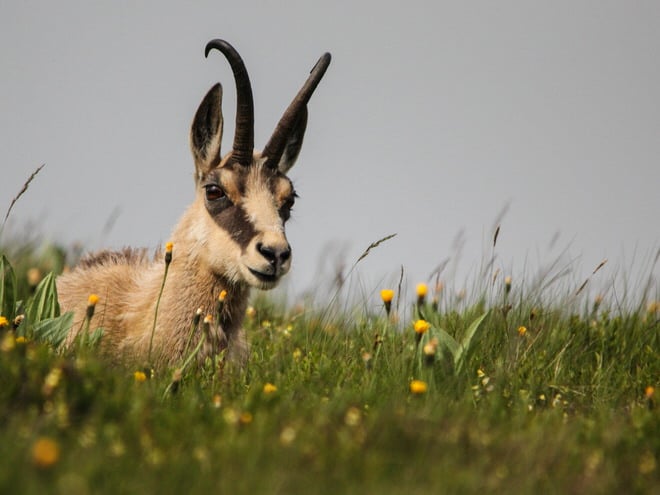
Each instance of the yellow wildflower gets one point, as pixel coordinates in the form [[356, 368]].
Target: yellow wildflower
[[168, 253], [21, 340], [45, 452], [245, 418], [387, 295], [3, 321], [92, 300], [250, 312], [649, 391], [222, 296], [421, 327], [8, 342], [269, 388], [421, 290], [522, 330], [418, 387], [139, 376]]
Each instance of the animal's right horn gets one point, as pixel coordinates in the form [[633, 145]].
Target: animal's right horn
[[277, 143], [244, 134]]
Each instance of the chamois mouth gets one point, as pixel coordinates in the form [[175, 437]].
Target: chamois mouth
[[264, 277]]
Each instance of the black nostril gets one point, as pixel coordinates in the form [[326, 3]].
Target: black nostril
[[267, 252], [273, 255], [286, 254]]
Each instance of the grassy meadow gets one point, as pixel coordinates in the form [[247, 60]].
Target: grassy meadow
[[514, 386]]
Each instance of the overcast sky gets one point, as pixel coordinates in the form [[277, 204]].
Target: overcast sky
[[433, 118]]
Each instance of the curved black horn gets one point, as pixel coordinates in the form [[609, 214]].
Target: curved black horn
[[244, 134], [277, 142]]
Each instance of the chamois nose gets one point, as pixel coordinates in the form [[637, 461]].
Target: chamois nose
[[274, 255]]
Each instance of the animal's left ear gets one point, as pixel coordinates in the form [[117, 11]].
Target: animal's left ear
[[206, 132], [294, 143]]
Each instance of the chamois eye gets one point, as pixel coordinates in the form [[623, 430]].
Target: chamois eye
[[214, 192], [287, 207]]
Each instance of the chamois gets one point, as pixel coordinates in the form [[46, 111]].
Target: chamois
[[229, 239]]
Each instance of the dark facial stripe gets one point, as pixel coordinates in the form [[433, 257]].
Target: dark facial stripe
[[233, 220]]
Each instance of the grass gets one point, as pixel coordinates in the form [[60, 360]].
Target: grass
[[521, 394]]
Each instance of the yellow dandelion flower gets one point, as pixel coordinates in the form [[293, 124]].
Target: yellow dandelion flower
[[222, 296], [8, 342], [3, 321], [139, 376], [245, 418], [168, 253], [208, 319], [421, 326], [21, 340], [92, 300], [418, 387], [522, 330], [269, 388], [387, 295], [45, 452], [421, 290], [649, 391]]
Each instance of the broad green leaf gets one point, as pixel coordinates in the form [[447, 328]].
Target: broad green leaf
[[54, 330], [446, 341], [7, 289], [466, 342], [44, 303]]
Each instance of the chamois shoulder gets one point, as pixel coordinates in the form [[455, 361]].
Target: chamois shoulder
[[126, 256]]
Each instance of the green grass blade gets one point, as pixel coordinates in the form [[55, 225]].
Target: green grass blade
[[464, 347], [7, 289]]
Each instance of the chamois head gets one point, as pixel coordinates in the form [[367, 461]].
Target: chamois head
[[245, 197]]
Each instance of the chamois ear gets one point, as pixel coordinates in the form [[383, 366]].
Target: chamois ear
[[294, 143], [206, 132]]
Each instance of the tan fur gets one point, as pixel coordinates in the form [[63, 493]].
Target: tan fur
[[128, 290]]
